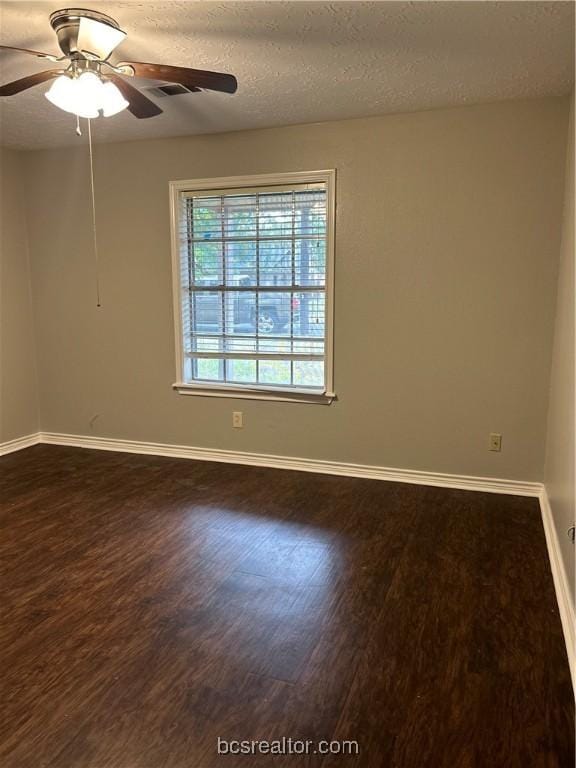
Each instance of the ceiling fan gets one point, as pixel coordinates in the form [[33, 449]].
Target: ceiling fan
[[90, 83]]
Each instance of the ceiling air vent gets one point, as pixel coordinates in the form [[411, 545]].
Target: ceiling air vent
[[171, 89]]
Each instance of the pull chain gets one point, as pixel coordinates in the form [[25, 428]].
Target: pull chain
[[96, 263]]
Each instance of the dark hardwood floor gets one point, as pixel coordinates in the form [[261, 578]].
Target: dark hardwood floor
[[151, 605]]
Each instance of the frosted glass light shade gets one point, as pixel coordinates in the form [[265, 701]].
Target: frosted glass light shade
[[97, 38], [112, 100], [61, 93], [87, 95]]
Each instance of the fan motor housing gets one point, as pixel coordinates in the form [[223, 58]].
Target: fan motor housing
[[66, 23]]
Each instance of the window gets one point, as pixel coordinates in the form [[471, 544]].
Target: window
[[253, 273]]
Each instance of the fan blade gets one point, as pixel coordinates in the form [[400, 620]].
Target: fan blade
[[140, 105], [97, 38], [27, 50], [16, 86], [191, 78]]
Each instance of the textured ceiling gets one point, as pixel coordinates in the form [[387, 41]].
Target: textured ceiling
[[299, 62]]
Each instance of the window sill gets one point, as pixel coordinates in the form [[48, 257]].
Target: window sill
[[251, 393]]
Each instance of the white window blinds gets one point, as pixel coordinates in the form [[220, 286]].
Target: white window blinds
[[253, 286]]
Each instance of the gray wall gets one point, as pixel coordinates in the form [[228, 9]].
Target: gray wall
[[559, 475], [18, 384], [448, 229]]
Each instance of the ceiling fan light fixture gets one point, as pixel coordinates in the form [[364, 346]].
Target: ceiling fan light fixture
[[91, 84], [86, 95]]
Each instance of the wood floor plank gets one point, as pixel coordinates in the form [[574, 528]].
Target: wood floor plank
[[428, 639], [151, 605]]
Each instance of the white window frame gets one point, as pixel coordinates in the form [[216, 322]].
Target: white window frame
[[260, 392]]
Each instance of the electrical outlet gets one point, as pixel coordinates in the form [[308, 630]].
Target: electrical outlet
[[237, 419], [495, 443]]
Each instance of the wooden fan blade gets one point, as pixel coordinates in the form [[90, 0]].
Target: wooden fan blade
[[190, 78], [140, 105], [27, 50], [17, 86]]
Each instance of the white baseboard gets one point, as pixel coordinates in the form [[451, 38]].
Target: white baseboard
[[488, 484], [19, 443], [561, 584]]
